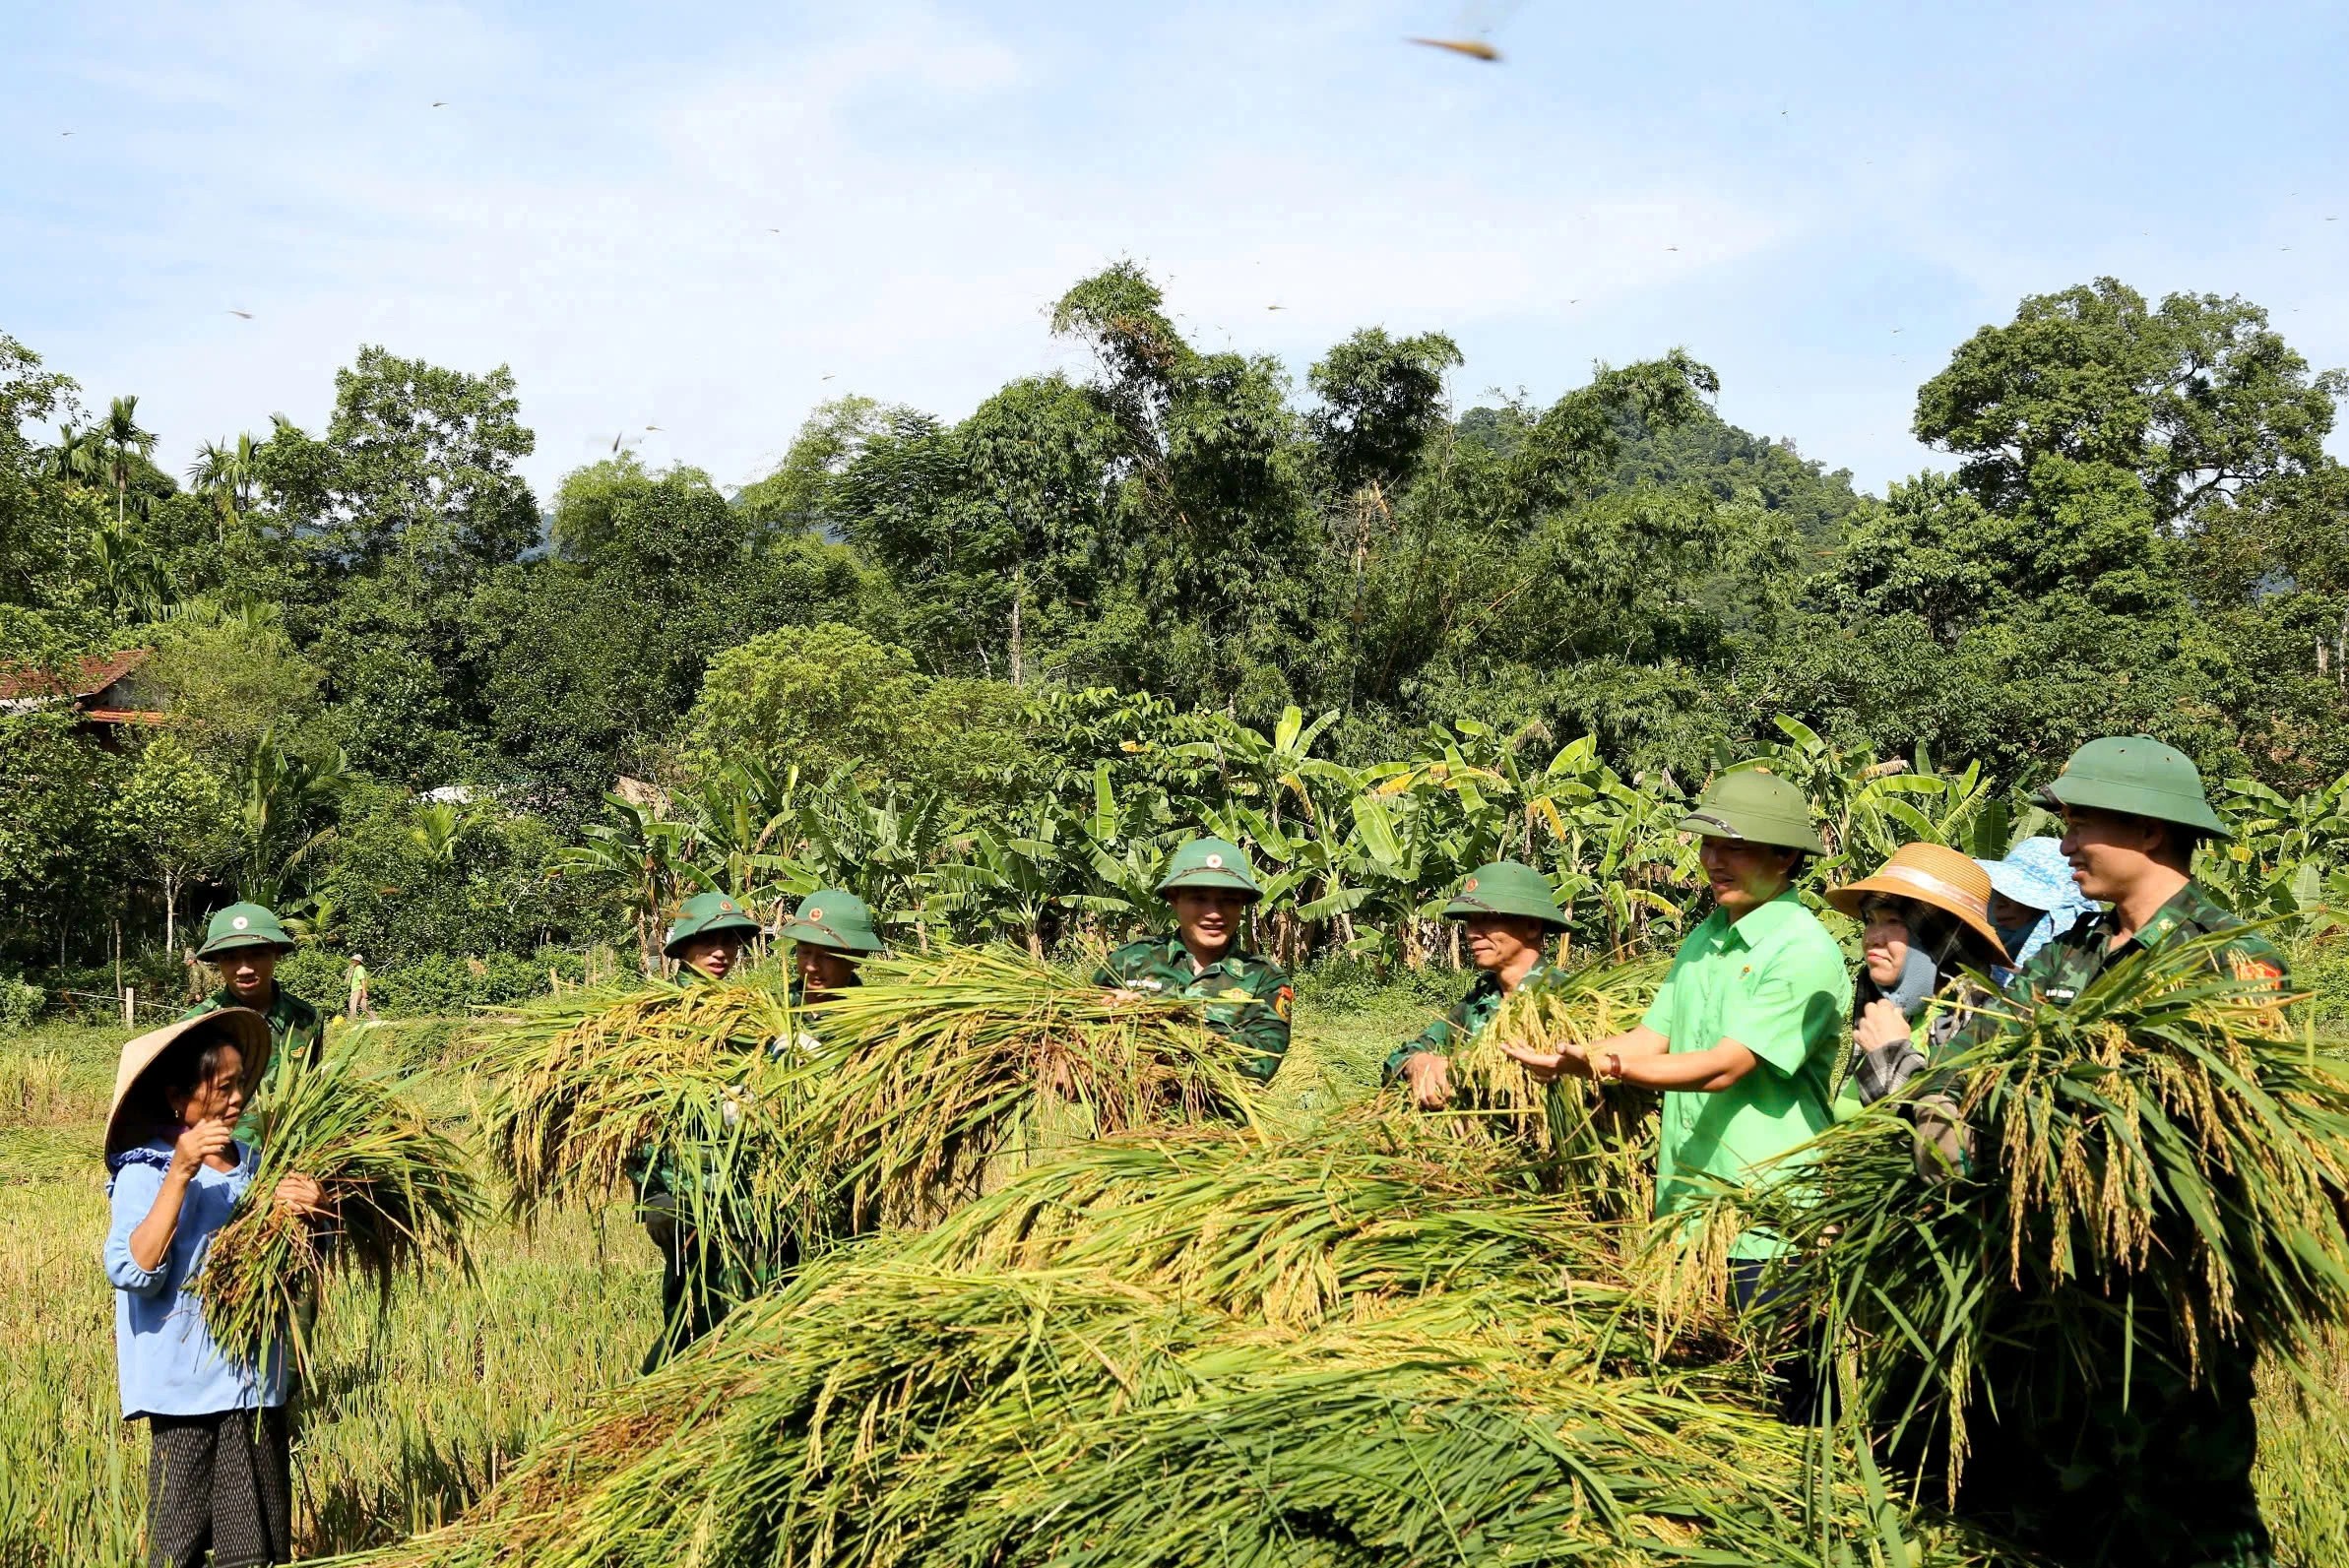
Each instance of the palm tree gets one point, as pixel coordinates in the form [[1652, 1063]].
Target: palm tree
[[120, 438], [77, 458], [226, 475]]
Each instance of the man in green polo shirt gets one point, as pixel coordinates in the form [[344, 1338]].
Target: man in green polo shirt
[[1209, 887], [2136, 1449], [1744, 1035], [243, 943], [1510, 916]]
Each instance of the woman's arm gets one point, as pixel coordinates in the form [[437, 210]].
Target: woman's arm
[[151, 1238], [140, 1194]]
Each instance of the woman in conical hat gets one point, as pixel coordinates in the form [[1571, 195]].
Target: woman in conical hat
[[218, 1473]]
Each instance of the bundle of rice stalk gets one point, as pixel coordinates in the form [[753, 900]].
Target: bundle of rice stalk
[[397, 1193], [2163, 1169], [1339, 1220], [588, 1094], [1609, 1131], [903, 1417], [955, 1069]]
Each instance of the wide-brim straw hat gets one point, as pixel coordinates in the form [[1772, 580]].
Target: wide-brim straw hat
[[1936, 876], [248, 1029]]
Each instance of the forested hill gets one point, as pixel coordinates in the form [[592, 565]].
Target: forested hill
[[2140, 529]]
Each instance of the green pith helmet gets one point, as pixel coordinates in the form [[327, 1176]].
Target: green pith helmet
[[708, 915], [2139, 777], [1209, 863], [1751, 806], [835, 919], [243, 925], [1506, 887]]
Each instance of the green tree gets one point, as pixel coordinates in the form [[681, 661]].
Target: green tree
[[416, 461], [175, 811], [830, 699], [590, 659], [1381, 398], [801, 495], [229, 676], [2201, 398]]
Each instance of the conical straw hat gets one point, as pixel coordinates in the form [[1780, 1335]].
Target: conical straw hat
[[247, 1027], [1934, 875]]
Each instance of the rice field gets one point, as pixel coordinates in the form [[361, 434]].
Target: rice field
[[401, 1429]]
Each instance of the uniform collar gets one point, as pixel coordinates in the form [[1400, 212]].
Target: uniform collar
[[1179, 956], [1765, 923], [2189, 909]]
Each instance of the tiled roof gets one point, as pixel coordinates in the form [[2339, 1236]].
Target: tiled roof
[[84, 677]]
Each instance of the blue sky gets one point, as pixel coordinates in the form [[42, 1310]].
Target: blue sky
[[708, 218]]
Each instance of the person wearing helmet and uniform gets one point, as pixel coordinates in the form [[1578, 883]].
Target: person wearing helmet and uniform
[[2072, 1459], [1509, 917], [1209, 887], [709, 934], [831, 933], [697, 1289], [1743, 1036], [244, 943]]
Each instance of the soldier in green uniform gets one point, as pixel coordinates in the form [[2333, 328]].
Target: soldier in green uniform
[[2087, 1454], [1510, 916], [1210, 887], [243, 943], [709, 934], [830, 933], [697, 1289]]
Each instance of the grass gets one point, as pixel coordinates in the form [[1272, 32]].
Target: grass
[[405, 1428]]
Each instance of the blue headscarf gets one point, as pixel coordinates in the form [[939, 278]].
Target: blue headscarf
[[2036, 875]]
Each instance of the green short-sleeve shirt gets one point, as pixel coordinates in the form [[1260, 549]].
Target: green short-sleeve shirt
[[1774, 982]]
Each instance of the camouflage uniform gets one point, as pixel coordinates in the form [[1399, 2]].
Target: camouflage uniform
[[2095, 1474], [1464, 1023], [1248, 997], [700, 1282]]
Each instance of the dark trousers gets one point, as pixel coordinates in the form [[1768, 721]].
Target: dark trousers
[[221, 1483], [2158, 1476], [1796, 1368]]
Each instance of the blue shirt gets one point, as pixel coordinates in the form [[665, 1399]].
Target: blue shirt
[[164, 1357]]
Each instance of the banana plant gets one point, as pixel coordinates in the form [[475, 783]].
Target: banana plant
[[1008, 885], [644, 858]]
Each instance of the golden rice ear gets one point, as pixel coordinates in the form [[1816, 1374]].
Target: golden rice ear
[[957, 1070]]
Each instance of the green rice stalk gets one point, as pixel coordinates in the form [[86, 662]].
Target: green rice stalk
[[1339, 1220], [942, 1075], [2164, 1168], [888, 1415], [399, 1193], [1602, 1135], [695, 1084]]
